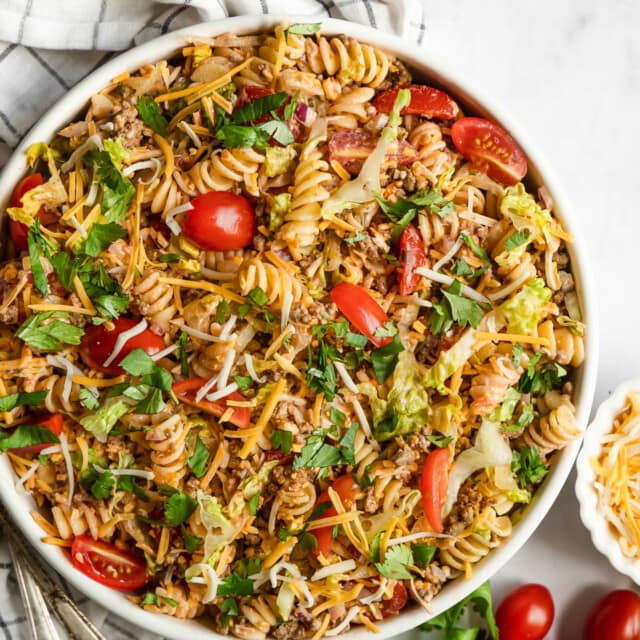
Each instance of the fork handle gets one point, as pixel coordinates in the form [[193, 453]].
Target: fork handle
[[38, 617]]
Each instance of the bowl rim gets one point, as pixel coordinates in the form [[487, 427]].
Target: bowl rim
[[592, 518], [427, 64]]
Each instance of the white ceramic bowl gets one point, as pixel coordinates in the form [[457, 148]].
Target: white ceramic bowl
[[433, 71], [601, 534]]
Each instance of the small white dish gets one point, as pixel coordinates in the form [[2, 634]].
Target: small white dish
[[602, 536]]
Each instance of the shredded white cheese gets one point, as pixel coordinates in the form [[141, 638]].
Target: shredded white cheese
[[227, 327], [338, 567], [64, 447], [191, 133], [209, 578], [170, 219], [138, 473], [223, 392], [94, 141], [54, 448], [70, 370], [377, 595], [346, 378], [447, 256], [287, 301], [123, 338], [204, 389], [362, 418], [196, 333], [151, 163], [351, 614], [248, 363], [164, 353], [229, 359], [92, 195], [516, 284], [448, 280], [32, 469]]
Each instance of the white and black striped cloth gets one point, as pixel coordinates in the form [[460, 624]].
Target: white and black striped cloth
[[47, 46]]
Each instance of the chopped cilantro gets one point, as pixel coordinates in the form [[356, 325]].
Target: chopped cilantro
[[151, 115], [30, 399], [396, 560], [101, 236], [117, 191], [439, 441], [183, 338], [477, 251], [47, 331], [282, 440], [540, 378], [357, 237], [199, 459], [528, 467], [423, 554], [384, 359], [454, 307], [27, 435], [243, 382]]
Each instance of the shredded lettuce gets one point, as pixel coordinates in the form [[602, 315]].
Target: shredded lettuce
[[277, 161], [489, 450], [374, 524], [505, 481], [281, 204], [406, 407], [255, 483], [50, 194], [521, 311], [364, 187], [450, 361], [105, 418], [41, 151], [524, 212], [116, 151], [504, 412], [220, 530]]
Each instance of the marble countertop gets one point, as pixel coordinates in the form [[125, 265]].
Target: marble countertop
[[570, 73]]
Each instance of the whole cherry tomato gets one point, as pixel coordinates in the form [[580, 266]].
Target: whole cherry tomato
[[433, 486], [615, 617], [220, 221], [361, 310], [18, 230], [98, 343], [108, 565], [490, 149], [527, 614]]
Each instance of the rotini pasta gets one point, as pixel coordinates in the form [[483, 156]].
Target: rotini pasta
[[260, 292]]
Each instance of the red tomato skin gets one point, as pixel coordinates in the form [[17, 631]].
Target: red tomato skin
[[526, 613], [249, 94], [186, 390], [490, 149], [96, 559], [433, 485], [347, 488], [614, 617], [53, 422], [98, 343], [396, 602], [425, 101], [361, 310], [18, 230], [220, 221], [351, 147], [412, 256]]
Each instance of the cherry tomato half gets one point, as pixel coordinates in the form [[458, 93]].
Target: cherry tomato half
[[425, 101], [433, 486], [490, 149], [361, 310], [615, 617], [220, 221], [186, 391], [98, 343], [527, 614], [18, 230], [396, 602], [53, 422], [108, 565], [412, 255], [347, 488]]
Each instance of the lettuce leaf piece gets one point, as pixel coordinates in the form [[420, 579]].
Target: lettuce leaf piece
[[521, 311], [221, 530], [406, 407], [524, 212], [281, 204], [490, 449], [116, 151], [449, 361], [277, 161], [49, 194], [367, 183], [105, 418], [504, 412]]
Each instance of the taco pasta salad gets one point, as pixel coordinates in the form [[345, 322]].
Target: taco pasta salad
[[287, 344]]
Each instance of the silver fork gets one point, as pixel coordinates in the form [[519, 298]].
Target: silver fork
[[41, 592]]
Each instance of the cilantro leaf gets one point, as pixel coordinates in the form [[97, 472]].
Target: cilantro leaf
[[439, 441], [223, 311], [316, 453], [30, 399], [278, 131], [384, 359], [516, 239], [182, 352], [178, 508], [259, 107], [102, 486], [170, 258], [540, 378], [100, 236], [282, 440], [477, 251], [151, 403], [322, 377], [37, 270], [235, 585], [395, 563], [117, 191], [357, 237], [198, 460], [27, 435], [308, 541], [347, 443], [151, 115], [526, 464], [47, 331], [454, 308], [243, 382], [423, 554], [191, 543]]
